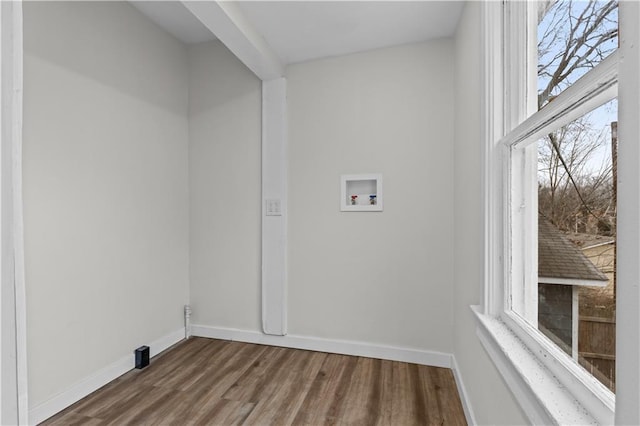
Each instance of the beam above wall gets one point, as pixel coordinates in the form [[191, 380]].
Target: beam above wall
[[228, 23]]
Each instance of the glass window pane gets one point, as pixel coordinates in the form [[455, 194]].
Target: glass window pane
[[573, 37], [577, 240]]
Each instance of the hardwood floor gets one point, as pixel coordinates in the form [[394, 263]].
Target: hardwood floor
[[215, 382]]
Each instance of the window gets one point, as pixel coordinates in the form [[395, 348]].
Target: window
[[561, 185], [552, 87], [577, 240]]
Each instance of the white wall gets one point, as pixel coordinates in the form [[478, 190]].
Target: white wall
[[385, 277], [106, 188], [492, 402], [225, 189], [117, 203]]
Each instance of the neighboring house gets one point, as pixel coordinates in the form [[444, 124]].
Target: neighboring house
[[602, 255], [562, 269]]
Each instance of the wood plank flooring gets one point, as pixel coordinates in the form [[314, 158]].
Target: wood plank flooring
[[215, 382]]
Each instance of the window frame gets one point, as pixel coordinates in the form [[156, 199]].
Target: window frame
[[550, 387]]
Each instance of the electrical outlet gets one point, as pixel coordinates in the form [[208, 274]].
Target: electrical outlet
[[273, 207]]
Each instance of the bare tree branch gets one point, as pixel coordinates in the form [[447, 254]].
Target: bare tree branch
[[575, 36]]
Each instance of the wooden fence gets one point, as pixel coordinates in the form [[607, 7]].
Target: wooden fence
[[597, 348]]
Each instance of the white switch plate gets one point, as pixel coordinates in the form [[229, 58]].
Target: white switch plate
[[273, 207]]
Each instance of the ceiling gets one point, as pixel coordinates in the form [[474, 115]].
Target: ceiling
[[298, 31], [175, 19]]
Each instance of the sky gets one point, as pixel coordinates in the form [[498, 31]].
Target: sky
[[600, 118]]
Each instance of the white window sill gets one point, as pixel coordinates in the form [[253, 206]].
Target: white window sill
[[536, 377]]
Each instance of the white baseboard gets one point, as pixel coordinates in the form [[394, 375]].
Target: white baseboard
[[100, 378], [462, 391], [393, 353]]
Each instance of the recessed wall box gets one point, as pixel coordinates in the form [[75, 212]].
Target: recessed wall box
[[361, 193], [142, 356]]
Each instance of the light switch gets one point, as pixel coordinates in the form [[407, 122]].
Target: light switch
[[273, 207]]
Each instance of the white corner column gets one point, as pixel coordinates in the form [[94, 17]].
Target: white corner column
[[227, 22], [13, 374], [274, 206]]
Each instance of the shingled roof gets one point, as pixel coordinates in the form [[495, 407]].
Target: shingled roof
[[560, 259]]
